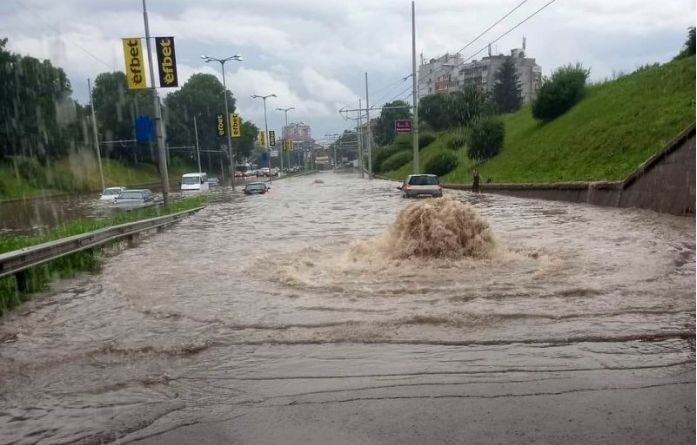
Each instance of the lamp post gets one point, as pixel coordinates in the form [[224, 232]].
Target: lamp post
[[237, 58], [285, 110], [266, 126]]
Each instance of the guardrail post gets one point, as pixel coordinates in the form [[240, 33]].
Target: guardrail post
[[21, 280], [132, 240]]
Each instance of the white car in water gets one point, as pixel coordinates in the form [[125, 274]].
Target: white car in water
[[421, 185], [110, 193]]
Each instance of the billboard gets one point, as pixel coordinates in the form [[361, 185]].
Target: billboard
[[166, 62], [133, 60]]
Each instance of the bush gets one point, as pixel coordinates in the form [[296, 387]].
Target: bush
[[560, 92], [457, 141], [441, 164], [396, 160], [486, 139], [425, 139], [380, 155]]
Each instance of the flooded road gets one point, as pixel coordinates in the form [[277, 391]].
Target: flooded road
[[285, 318]]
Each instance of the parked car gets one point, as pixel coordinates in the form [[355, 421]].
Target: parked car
[[421, 185], [110, 193], [255, 188], [249, 173], [135, 198], [194, 181], [239, 174], [263, 171], [274, 172], [213, 182]]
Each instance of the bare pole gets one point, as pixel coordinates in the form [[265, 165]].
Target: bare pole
[[198, 151], [415, 126], [96, 136], [159, 132], [369, 136], [360, 138]]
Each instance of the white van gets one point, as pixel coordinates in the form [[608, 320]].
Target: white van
[[194, 181]]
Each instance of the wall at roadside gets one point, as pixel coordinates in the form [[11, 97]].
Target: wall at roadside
[[664, 183]]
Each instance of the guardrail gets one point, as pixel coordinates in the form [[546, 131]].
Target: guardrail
[[17, 262]]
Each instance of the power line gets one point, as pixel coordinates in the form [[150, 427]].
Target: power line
[[509, 31], [489, 28]]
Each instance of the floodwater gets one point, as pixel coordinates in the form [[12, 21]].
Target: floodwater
[[297, 297]]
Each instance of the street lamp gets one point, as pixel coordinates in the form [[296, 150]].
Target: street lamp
[[266, 126], [285, 110], [237, 58]]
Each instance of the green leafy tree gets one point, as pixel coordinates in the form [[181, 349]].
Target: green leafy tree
[[485, 139], [507, 94], [384, 129], [244, 146], [436, 110], [560, 92], [689, 46], [441, 164], [468, 105]]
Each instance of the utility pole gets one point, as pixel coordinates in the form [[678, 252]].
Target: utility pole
[[285, 110], [360, 139], [96, 136], [369, 136], [159, 132], [266, 126], [415, 126], [198, 151]]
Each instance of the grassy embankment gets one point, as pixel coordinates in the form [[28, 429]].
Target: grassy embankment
[[78, 172], [617, 126], [39, 277]]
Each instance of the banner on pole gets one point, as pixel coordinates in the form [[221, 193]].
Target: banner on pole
[[133, 60], [272, 138], [261, 140], [166, 62], [220, 124], [235, 125]]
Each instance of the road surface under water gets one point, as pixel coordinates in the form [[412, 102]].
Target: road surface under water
[[283, 318]]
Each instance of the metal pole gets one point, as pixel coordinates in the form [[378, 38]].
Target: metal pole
[[266, 136], [227, 129], [369, 136], [96, 136], [198, 151], [360, 139], [415, 126], [284, 139], [159, 132]]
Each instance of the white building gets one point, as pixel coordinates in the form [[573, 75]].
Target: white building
[[449, 74]]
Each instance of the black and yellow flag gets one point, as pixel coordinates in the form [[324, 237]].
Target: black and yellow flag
[[166, 62], [272, 138], [220, 124], [235, 125], [133, 59]]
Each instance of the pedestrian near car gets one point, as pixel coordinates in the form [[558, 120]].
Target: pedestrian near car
[[475, 181]]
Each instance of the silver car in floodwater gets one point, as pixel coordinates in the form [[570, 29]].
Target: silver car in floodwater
[[415, 186]]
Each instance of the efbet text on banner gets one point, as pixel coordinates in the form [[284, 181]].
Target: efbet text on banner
[[235, 131], [272, 138], [166, 62], [133, 59], [261, 139], [220, 124]]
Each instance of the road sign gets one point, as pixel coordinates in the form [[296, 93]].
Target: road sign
[[402, 125], [274, 153], [272, 138]]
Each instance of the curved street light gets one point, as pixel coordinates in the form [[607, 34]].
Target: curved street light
[[266, 126], [236, 58]]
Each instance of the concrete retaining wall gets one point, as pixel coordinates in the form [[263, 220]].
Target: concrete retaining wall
[[664, 183]]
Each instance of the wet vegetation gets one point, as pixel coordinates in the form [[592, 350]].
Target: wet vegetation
[[615, 127], [39, 277]]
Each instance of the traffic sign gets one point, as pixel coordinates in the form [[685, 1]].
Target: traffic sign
[[402, 125]]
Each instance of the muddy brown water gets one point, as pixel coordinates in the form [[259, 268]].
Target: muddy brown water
[[290, 297]]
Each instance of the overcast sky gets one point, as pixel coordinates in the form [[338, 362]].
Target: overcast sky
[[312, 53]]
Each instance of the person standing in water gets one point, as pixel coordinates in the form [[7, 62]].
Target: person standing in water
[[475, 181]]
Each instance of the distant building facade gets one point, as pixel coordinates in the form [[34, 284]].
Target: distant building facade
[[449, 74], [297, 132]]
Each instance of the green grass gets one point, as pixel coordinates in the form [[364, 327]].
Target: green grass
[[89, 260], [617, 126]]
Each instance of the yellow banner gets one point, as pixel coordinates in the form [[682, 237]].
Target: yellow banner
[[262, 143], [288, 143], [133, 59], [235, 125]]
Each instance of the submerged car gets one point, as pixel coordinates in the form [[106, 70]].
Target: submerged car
[[421, 185], [135, 198], [110, 193], [256, 188]]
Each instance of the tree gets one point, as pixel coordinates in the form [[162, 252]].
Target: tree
[[468, 105], [436, 110], [689, 46], [506, 95], [384, 129], [485, 139], [245, 144], [200, 96], [560, 92]]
